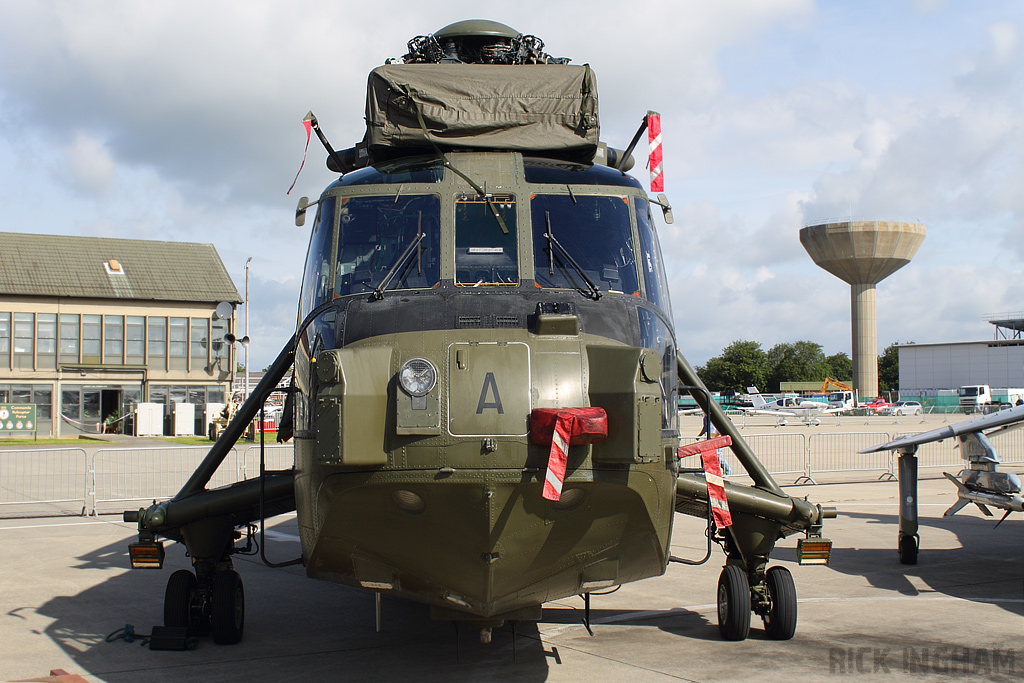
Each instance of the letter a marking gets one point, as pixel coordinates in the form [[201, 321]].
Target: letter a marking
[[484, 404]]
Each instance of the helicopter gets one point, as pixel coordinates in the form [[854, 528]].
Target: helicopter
[[484, 370]]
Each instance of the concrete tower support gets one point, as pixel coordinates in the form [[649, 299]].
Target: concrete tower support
[[863, 253], [864, 328]]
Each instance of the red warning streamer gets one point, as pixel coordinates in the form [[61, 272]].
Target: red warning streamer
[[708, 450], [716, 489], [558, 456], [309, 131], [654, 137]]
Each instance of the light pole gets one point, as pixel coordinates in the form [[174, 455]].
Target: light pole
[[246, 346]]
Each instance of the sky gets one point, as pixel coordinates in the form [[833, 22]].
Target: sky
[[182, 121]]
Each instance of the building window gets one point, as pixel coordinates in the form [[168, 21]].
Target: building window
[[199, 340], [158, 343], [113, 339], [21, 394], [178, 344], [130, 398], [46, 341], [197, 395], [158, 394], [91, 336], [5, 340], [177, 394], [219, 347], [68, 338], [42, 398], [135, 340], [23, 340]]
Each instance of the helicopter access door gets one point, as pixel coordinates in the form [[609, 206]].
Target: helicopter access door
[[484, 397]]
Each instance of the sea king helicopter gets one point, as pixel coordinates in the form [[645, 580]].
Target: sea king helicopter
[[484, 371]]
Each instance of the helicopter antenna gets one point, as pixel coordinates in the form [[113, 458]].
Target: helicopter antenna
[[315, 125]]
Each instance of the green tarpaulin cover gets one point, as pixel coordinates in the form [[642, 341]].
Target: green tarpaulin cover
[[542, 107]]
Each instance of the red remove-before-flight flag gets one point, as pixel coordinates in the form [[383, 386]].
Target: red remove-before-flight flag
[[654, 138], [308, 123]]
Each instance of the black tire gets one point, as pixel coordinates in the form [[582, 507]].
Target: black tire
[[908, 549], [178, 598], [780, 621], [733, 603], [227, 608]]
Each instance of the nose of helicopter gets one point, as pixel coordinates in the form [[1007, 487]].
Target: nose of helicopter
[[483, 542]]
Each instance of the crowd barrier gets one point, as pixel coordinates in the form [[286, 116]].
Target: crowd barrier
[[41, 480], [808, 456], [70, 481]]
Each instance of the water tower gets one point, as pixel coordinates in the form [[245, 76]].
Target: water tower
[[863, 253]]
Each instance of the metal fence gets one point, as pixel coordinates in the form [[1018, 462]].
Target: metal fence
[[44, 481], [841, 453], [814, 455], [72, 481]]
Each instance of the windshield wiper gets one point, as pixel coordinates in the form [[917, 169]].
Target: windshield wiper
[[553, 243], [378, 293]]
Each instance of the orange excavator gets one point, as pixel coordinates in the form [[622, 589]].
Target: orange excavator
[[834, 383]]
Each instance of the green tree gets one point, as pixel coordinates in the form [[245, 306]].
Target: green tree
[[840, 367], [800, 361], [889, 368], [740, 365]]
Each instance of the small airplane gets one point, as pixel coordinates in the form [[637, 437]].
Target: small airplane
[[788, 406], [980, 483]]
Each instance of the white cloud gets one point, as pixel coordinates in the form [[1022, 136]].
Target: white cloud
[[182, 121], [89, 165], [1005, 40]]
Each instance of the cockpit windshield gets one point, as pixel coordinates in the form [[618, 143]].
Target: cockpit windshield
[[373, 232], [594, 232], [486, 252]]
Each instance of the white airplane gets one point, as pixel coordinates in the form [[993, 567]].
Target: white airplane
[[788, 406], [980, 483]]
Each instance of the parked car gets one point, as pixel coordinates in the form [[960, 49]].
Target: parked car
[[904, 408], [878, 405]]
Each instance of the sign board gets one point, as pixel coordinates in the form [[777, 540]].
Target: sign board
[[17, 417]]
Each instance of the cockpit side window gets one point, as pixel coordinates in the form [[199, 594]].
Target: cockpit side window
[[316, 279], [651, 264], [486, 251], [594, 232], [374, 232]]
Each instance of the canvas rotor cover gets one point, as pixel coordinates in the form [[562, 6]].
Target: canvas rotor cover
[[543, 108]]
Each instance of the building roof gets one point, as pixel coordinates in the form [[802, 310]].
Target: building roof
[[986, 342], [106, 268]]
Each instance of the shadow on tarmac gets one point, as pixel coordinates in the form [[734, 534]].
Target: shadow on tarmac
[[302, 629], [296, 629], [985, 567]]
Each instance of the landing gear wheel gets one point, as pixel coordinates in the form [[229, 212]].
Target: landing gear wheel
[[733, 603], [227, 608], [178, 599], [908, 549], [780, 620]]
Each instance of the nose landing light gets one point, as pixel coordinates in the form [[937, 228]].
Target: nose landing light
[[813, 550], [146, 555]]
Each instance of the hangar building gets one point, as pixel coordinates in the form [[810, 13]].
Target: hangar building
[[932, 370]]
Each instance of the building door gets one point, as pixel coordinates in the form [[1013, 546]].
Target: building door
[[91, 409], [110, 406]]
